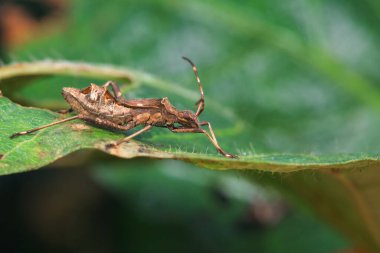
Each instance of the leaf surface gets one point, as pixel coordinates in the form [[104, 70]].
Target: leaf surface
[[47, 145]]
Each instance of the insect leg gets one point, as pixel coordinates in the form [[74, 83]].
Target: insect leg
[[42, 127], [110, 125], [115, 89], [146, 128], [214, 138], [200, 130], [215, 141], [201, 101], [210, 128]]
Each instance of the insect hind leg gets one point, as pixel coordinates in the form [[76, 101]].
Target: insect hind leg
[[42, 127]]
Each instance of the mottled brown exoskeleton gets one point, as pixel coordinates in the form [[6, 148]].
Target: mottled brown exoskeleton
[[95, 104]]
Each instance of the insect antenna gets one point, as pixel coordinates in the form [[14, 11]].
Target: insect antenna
[[201, 101]]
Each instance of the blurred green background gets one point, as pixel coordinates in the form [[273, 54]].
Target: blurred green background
[[292, 77]]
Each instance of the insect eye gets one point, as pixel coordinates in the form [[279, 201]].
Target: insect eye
[[188, 116]]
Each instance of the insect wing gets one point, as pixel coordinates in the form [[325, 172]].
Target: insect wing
[[143, 103]]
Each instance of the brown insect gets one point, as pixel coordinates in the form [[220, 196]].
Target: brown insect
[[95, 104]]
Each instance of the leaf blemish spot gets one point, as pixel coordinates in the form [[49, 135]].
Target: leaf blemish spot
[[110, 146], [79, 127], [142, 149], [1, 156]]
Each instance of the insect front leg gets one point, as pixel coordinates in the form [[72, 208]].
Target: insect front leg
[[214, 138], [200, 130], [215, 142]]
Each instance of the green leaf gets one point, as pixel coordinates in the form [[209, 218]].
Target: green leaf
[[353, 190], [39, 148], [45, 146]]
